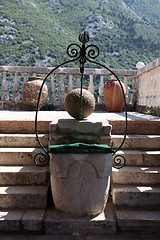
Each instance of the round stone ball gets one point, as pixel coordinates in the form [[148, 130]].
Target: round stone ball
[[72, 103], [140, 65]]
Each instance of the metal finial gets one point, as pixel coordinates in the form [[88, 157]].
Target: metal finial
[[84, 37]]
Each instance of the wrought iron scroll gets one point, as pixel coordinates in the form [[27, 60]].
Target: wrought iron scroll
[[82, 53]]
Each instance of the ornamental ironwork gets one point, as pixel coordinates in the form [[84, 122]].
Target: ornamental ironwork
[[82, 54]]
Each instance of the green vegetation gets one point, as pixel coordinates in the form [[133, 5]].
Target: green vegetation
[[37, 32], [150, 111]]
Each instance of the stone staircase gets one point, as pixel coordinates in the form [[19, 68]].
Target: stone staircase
[[24, 188], [136, 187]]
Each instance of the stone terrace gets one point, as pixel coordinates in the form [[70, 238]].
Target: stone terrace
[[135, 192]]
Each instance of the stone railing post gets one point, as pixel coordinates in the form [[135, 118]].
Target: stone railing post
[[15, 89], [91, 84], [25, 77], [78, 82], [5, 95], [135, 91], [141, 90], [52, 97], [70, 83], [61, 90], [101, 89], [126, 86]]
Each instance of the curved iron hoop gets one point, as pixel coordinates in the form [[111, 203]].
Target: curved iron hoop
[[120, 162], [42, 159]]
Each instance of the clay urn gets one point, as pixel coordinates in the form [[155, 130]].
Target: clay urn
[[31, 90], [113, 96]]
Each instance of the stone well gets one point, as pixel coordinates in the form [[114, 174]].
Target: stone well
[[80, 176]]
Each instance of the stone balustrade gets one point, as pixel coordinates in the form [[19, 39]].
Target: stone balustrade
[[59, 83], [145, 83]]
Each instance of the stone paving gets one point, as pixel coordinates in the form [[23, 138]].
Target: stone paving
[[53, 115], [120, 236]]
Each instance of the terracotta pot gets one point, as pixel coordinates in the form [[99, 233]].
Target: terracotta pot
[[31, 92], [113, 96]]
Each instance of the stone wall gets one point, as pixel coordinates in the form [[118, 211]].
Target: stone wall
[[147, 87]]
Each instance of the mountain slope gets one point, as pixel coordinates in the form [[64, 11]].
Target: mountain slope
[[37, 32]]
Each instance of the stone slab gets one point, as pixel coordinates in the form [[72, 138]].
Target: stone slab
[[132, 235], [138, 220], [141, 158], [23, 175], [83, 126], [23, 121], [10, 220], [54, 115], [56, 222], [21, 197], [23, 140], [87, 131], [151, 158], [118, 127], [18, 221], [70, 138], [133, 157], [137, 142], [136, 175], [32, 220], [139, 127], [17, 126], [18, 156], [136, 196]]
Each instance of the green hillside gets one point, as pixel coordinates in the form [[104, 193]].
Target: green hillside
[[37, 32]]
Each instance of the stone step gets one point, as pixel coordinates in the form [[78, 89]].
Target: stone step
[[136, 196], [136, 175], [132, 141], [24, 157], [23, 140], [137, 142], [54, 222], [18, 156], [18, 221], [136, 126], [140, 220], [21, 197], [141, 158], [24, 121], [39, 221], [24, 175], [23, 126]]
